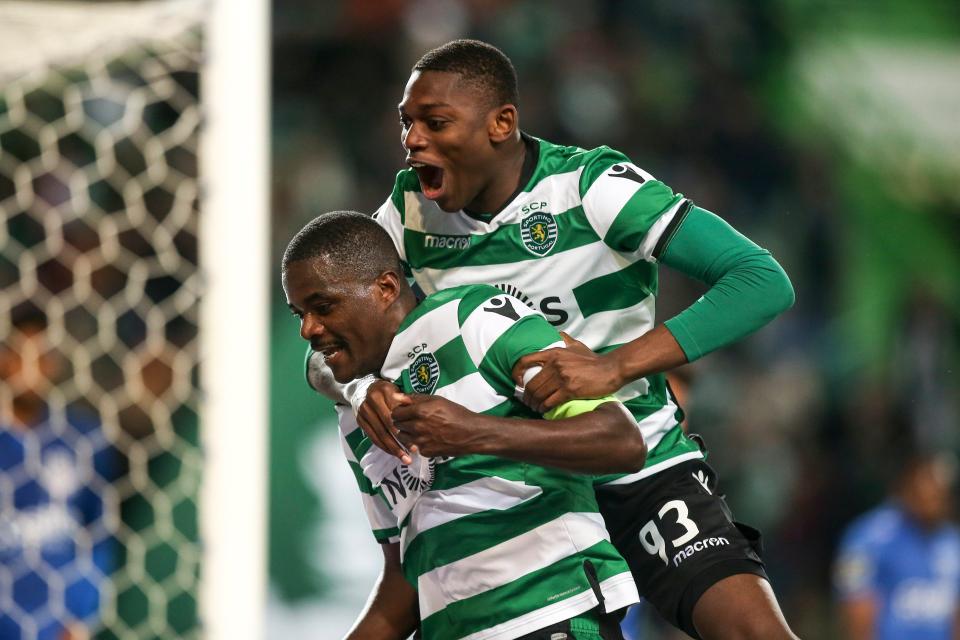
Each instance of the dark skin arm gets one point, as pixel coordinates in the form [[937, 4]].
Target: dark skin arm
[[391, 612], [577, 372], [435, 426]]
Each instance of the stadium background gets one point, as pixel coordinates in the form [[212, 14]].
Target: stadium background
[[826, 131]]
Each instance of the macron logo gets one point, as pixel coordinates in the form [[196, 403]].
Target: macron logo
[[701, 477], [446, 242]]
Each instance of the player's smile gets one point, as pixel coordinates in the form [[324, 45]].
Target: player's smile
[[431, 178], [337, 316]]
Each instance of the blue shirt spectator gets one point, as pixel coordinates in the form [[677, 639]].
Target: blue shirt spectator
[[898, 569]]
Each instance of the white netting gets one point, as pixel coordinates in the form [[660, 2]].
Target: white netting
[[99, 458]]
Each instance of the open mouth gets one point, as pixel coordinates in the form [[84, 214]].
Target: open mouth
[[329, 351], [431, 179]]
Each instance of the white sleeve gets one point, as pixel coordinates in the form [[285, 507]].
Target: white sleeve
[[382, 521], [388, 217], [320, 378]]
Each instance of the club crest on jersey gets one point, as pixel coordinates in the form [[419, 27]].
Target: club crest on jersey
[[539, 232], [424, 373]]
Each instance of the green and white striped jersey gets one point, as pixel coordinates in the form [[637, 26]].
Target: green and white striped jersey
[[579, 243], [496, 548]]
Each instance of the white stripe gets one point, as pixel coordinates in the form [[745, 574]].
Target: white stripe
[[657, 468], [473, 392], [655, 425], [434, 329], [487, 494], [503, 563], [554, 275], [482, 327], [616, 326], [378, 513], [607, 196], [560, 192], [656, 230], [388, 217], [619, 591]]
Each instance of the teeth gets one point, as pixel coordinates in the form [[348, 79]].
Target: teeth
[[417, 165]]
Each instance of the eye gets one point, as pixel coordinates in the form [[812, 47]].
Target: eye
[[297, 315], [435, 124], [405, 122]]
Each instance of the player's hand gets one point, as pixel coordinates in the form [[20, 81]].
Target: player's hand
[[374, 418], [573, 372], [435, 426]]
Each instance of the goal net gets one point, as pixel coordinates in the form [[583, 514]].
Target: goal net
[[100, 464]]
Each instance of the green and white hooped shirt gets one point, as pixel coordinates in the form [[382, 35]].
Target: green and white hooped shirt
[[579, 243], [495, 548]]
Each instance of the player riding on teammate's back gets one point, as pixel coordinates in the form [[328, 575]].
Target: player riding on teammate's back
[[578, 235]]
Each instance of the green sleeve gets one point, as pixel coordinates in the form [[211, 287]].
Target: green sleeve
[[748, 288]]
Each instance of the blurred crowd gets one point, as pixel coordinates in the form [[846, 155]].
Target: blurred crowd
[[805, 420]]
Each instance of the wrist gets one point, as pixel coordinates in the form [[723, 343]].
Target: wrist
[[616, 363]]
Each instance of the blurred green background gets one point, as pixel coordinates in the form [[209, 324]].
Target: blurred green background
[[829, 132]]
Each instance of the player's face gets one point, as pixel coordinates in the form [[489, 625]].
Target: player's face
[[445, 130], [341, 318]]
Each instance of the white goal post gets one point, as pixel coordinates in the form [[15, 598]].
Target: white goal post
[[134, 220]]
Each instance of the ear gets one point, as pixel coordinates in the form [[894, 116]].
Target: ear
[[503, 123], [388, 287]]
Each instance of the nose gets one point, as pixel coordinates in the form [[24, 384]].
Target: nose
[[310, 327], [412, 138]]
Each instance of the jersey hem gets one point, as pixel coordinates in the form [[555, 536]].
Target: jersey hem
[[656, 468]]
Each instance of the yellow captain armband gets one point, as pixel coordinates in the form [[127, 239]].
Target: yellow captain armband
[[572, 408]]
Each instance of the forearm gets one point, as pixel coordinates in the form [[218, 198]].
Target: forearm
[[748, 288], [604, 440], [391, 611]]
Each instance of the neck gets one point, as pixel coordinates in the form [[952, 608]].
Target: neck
[[504, 181]]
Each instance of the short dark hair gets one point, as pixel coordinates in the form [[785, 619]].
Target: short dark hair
[[353, 241], [479, 64]]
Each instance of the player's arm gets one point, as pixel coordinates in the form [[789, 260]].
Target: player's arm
[[748, 288], [583, 436], [391, 611], [597, 436]]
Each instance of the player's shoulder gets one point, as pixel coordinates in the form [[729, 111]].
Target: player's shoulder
[[405, 182], [591, 164]]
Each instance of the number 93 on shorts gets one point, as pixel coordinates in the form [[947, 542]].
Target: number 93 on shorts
[[676, 532]]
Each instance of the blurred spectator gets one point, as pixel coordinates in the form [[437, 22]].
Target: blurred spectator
[[898, 570], [52, 561]]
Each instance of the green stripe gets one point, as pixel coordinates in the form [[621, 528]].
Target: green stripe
[[618, 290], [529, 593], [473, 297], [406, 181], [527, 335], [637, 216], [384, 535], [362, 481], [505, 245], [454, 361], [430, 303], [354, 439], [463, 537]]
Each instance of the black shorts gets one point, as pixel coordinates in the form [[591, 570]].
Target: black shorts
[[679, 538]]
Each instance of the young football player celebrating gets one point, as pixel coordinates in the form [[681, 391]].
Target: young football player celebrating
[[495, 549], [578, 235]]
